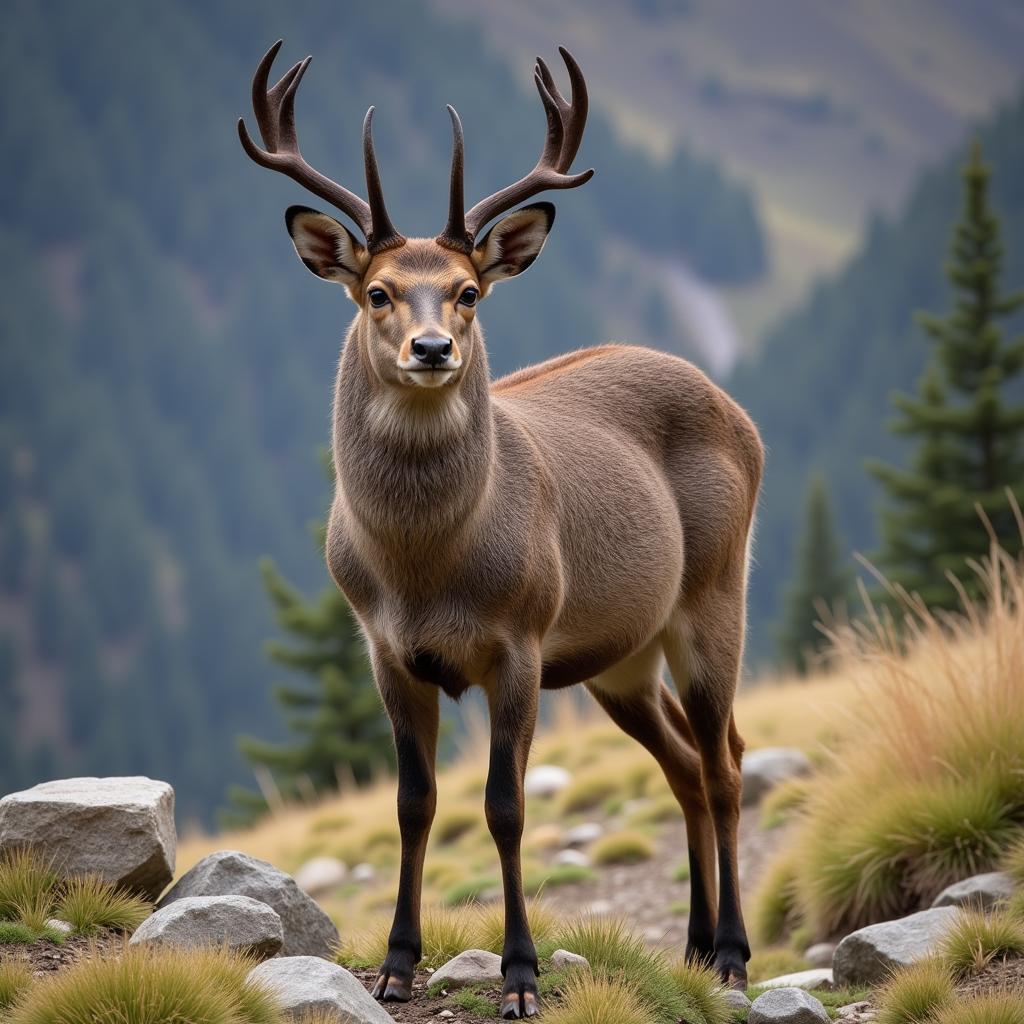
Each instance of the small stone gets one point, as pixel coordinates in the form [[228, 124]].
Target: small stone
[[445, 1013], [57, 925], [820, 954], [819, 979], [575, 858], [764, 769], [787, 1006], [473, 967], [979, 892], [868, 956], [321, 875], [307, 985], [364, 873], [585, 834], [545, 780], [239, 923], [853, 1010], [563, 960], [736, 1000], [308, 931], [120, 829]]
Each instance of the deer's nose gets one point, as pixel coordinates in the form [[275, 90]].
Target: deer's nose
[[432, 351]]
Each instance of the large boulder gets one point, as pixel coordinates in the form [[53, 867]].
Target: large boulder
[[787, 1006], [121, 829], [242, 924], [474, 967], [308, 931], [307, 985], [868, 956], [979, 892], [764, 769]]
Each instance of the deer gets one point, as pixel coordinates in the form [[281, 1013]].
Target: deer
[[584, 520]]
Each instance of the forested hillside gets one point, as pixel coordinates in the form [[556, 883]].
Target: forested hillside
[[166, 364], [820, 387]]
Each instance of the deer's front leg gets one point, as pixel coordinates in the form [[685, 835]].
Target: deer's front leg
[[413, 709], [512, 698]]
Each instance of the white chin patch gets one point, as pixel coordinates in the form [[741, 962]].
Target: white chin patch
[[430, 378]]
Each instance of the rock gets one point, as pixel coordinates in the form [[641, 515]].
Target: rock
[[57, 925], [577, 858], [820, 954], [474, 967], [585, 834], [819, 979], [563, 960], [787, 1006], [545, 780], [241, 924], [320, 875], [445, 1013], [364, 873], [121, 829], [308, 931], [307, 985], [736, 1000], [979, 892], [854, 1010], [867, 956], [765, 768]]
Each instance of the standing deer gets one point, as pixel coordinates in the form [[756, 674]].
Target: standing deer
[[580, 521]]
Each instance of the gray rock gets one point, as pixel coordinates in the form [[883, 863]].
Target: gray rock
[[321, 875], [474, 967], [736, 1000], [787, 1006], [817, 980], [585, 834], [308, 931], [64, 927], [241, 924], [305, 985], [764, 769], [563, 960], [575, 858], [867, 956], [545, 780], [121, 829], [854, 1011], [979, 892], [364, 872], [820, 954]]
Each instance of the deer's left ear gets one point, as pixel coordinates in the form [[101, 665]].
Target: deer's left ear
[[513, 243], [326, 247]]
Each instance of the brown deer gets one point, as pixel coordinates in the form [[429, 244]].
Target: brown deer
[[580, 521]]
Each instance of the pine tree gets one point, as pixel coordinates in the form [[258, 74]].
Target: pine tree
[[970, 439], [820, 581], [334, 710]]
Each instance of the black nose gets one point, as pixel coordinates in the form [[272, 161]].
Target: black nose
[[432, 351]]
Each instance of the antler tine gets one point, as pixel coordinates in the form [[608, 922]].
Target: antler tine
[[275, 115], [566, 122], [454, 235]]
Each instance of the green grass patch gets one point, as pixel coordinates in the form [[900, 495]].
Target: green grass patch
[[976, 939], [561, 874], [622, 848], [915, 994], [657, 811], [680, 908], [454, 824], [599, 999], [470, 890], [1014, 906], [88, 904], [143, 986], [474, 1002], [681, 873], [17, 933], [701, 989], [15, 981]]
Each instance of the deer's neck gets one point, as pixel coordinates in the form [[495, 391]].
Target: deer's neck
[[413, 465]]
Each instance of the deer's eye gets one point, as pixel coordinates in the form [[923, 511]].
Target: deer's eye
[[378, 298], [469, 297]]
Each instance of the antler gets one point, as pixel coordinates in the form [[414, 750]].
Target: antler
[[566, 121], [275, 114]]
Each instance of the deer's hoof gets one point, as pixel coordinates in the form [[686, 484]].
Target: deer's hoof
[[391, 989], [519, 998]]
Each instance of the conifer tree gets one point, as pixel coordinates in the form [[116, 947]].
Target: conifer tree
[[820, 581], [970, 437]]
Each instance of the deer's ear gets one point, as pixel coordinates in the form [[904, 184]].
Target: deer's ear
[[513, 243], [327, 248]]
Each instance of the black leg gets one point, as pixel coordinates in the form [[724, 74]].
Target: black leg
[[413, 708]]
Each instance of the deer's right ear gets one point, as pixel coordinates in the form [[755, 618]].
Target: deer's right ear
[[327, 248]]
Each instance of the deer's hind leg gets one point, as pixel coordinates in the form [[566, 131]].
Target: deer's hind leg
[[637, 700]]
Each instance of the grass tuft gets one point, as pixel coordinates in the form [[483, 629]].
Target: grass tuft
[[990, 1008], [775, 909], [976, 939], [1013, 859], [588, 791], [702, 993], [88, 904], [622, 848], [144, 986], [561, 874], [15, 981], [26, 886], [470, 890], [598, 999], [488, 927], [474, 1002], [1014, 906], [783, 801], [915, 994], [454, 824]]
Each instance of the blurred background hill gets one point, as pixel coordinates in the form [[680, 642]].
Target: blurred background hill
[[773, 200]]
